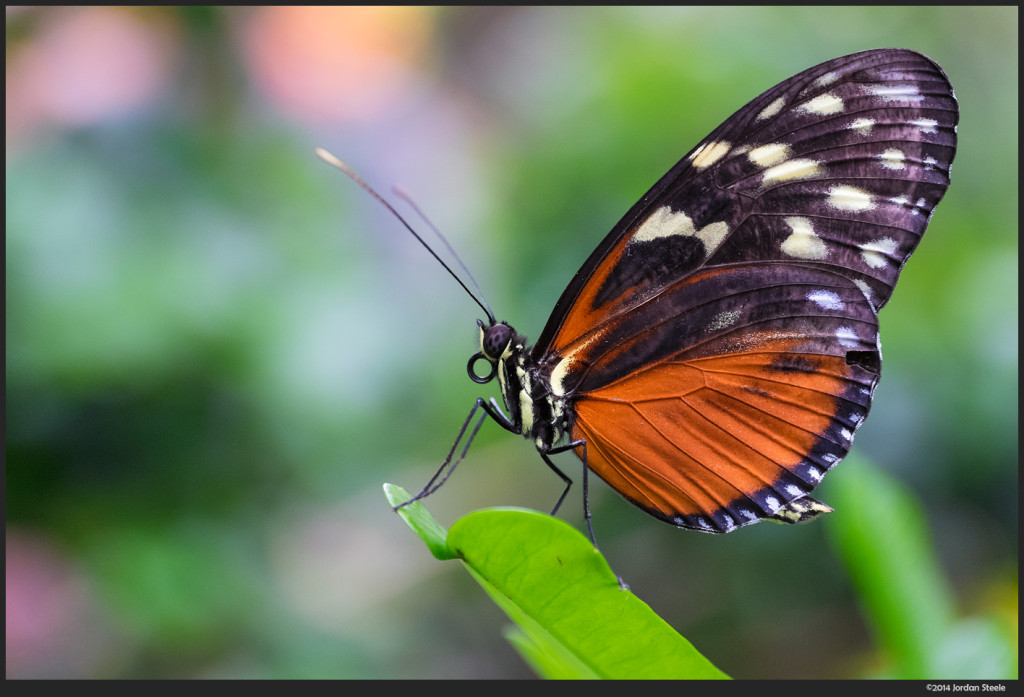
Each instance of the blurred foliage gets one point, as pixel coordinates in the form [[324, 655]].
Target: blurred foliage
[[218, 348], [888, 551]]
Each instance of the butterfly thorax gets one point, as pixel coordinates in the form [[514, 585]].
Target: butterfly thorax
[[535, 411]]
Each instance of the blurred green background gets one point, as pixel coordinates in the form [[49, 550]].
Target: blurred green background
[[218, 348]]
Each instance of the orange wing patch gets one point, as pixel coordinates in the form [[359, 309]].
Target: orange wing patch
[[716, 443], [585, 315]]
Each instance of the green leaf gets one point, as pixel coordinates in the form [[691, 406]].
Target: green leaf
[[573, 618], [422, 523], [546, 661]]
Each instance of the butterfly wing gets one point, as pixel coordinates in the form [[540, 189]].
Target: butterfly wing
[[720, 346]]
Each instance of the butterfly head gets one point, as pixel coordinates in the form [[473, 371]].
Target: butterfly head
[[496, 344], [495, 340]]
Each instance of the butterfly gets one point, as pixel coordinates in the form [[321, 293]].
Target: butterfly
[[713, 357]]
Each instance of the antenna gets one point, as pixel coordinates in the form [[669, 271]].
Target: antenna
[[404, 195], [350, 173]]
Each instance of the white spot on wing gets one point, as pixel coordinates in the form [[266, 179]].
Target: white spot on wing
[[847, 337], [892, 158], [866, 290], [803, 243], [664, 222], [891, 93], [926, 125], [826, 299], [863, 126], [825, 80], [723, 320], [876, 254]]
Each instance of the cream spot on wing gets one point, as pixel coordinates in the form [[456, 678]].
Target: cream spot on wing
[[665, 222], [767, 155], [892, 159], [863, 126], [823, 105], [799, 168], [850, 198], [751, 341], [803, 243], [772, 109], [876, 254], [926, 125], [709, 153]]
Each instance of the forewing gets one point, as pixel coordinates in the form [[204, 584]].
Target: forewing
[[839, 167]]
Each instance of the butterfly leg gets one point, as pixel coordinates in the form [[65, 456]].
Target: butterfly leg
[[568, 482], [586, 490], [449, 464]]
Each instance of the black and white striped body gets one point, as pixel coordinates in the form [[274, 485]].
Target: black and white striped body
[[534, 410]]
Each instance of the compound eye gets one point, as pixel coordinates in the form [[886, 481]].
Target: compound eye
[[495, 340]]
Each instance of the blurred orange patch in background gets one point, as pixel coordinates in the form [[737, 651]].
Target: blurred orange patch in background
[[331, 63]]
